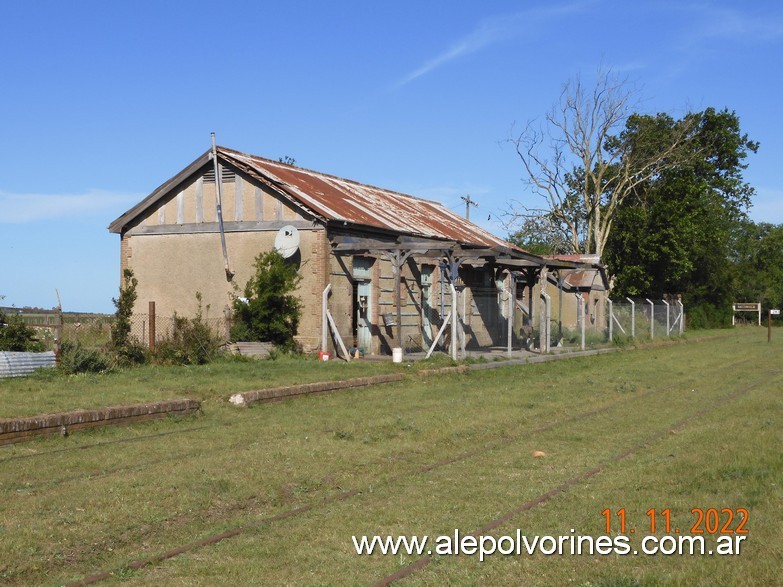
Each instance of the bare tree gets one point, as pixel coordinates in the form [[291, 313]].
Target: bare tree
[[584, 165]]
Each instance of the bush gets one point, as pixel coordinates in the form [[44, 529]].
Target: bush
[[125, 349], [708, 316], [269, 312], [15, 335], [75, 358], [190, 342]]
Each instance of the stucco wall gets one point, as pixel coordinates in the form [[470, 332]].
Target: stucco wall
[[171, 268]]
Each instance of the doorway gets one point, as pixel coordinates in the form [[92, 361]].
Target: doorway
[[362, 303]]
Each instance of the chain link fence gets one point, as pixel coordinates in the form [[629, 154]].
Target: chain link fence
[[645, 318], [164, 327]]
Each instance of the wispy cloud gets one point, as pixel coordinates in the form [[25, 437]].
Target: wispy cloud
[[748, 25], [16, 208], [495, 30]]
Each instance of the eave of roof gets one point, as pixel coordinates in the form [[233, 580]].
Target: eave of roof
[[336, 200], [129, 216]]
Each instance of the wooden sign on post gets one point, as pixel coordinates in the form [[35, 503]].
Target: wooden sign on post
[[746, 307]]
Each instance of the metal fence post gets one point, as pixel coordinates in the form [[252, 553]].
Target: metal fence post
[[668, 328], [652, 318], [682, 316], [633, 317]]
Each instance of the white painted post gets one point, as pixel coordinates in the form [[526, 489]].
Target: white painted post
[[682, 316], [511, 293], [324, 323], [454, 318], [633, 317], [668, 328], [440, 333], [652, 319], [546, 340], [584, 320]]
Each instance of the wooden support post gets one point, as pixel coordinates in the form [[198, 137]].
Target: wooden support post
[[58, 335], [398, 297], [512, 288], [58, 329], [152, 325], [769, 325]]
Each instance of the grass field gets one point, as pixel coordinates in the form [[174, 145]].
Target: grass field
[[681, 426]]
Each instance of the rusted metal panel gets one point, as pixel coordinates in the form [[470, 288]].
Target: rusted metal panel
[[336, 199], [15, 364]]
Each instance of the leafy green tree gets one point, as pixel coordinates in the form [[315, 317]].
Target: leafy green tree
[[269, 311], [673, 234], [757, 258]]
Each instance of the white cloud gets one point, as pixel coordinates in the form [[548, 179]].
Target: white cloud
[[708, 24], [494, 30], [16, 208]]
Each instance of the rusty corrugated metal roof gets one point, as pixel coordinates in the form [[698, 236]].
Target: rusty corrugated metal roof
[[337, 199]]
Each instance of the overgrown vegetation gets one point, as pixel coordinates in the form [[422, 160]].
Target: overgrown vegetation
[[124, 348], [190, 342], [269, 311], [77, 358], [15, 335]]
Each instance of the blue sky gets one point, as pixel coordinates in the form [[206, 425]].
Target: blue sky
[[101, 102]]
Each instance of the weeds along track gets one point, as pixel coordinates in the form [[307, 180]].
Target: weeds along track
[[488, 447], [490, 442], [584, 475], [245, 418]]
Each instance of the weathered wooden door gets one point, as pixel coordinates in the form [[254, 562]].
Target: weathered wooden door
[[363, 306]]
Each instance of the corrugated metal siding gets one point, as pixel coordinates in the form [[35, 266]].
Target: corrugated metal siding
[[13, 364]]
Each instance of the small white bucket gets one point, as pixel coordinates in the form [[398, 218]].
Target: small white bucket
[[397, 355]]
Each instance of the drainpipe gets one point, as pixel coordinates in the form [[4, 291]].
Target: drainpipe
[[219, 200]]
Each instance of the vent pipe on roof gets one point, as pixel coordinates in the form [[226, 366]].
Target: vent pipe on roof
[[219, 200]]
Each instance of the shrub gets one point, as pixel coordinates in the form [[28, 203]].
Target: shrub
[[125, 349], [15, 335], [269, 312], [190, 342], [708, 316], [76, 358]]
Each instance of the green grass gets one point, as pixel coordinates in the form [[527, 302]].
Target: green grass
[[50, 391], [426, 456]]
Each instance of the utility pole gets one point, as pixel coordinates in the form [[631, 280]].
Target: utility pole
[[468, 204]]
